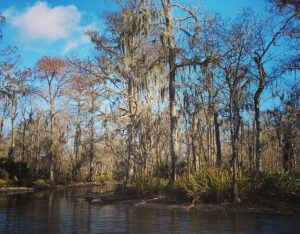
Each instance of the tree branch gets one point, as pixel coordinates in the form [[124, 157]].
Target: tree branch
[[187, 10]]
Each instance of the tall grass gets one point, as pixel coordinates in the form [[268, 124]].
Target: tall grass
[[146, 187], [214, 185], [207, 185]]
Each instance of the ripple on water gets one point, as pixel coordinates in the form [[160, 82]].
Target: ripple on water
[[63, 212]]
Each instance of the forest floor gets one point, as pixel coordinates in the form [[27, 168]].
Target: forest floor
[[259, 207]]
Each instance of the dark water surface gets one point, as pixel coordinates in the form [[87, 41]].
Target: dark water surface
[[63, 212]]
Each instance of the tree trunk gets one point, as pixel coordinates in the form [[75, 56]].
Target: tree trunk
[[1, 127], [194, 153], [173, 124], [235, 125], [23, 142], [51, 150], [261, 85], [171, 50], [287, 148], [218, 140], [77, 143], [11, 151], [130, 166], [235, 170], [92, 143], [51, 176], [257, 136]]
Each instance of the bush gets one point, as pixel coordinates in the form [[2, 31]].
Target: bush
[[279, 186], [103, 178], [63, 178], [19, 170], [40, 182], [3, 174], [4, 182], [209, 185], [162, 171], [147, 186], [215, 185]]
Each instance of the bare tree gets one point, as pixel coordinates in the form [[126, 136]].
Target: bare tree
[[54, 72]]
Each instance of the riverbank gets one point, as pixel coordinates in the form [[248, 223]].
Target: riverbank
[[11, 190], [167, 202], [15, 190]]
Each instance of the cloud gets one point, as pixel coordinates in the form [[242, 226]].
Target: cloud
[[57, 28], [42, 22], [75, 43]]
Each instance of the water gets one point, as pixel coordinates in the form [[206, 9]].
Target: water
[[63, 212]]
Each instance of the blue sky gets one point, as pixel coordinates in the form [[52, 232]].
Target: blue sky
[[56, 27]]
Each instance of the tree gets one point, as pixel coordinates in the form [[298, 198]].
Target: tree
[[76, 92], [263, 48], [127, 59], [294, 5], [54, 72], [237, 41], [176, 59], [11, 85]]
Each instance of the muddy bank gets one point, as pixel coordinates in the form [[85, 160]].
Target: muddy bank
[[15, 190], [73, 185], [11, 190], [261, 207]]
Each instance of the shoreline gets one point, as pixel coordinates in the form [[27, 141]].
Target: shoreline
[[12, 190], [163, 201]]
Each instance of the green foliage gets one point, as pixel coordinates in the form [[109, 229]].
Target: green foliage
[[63, 178], [147, 186], [279, 186], [215, 185], [183, 167], [18, 171], [4, 182], [40, 182], [162, 171], [209, 185], [103, 178], [3, 174]]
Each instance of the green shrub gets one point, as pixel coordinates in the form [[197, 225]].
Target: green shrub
[[40, 182], [281, 186], [4, 182], [3, 174], [215, 185], [146, 186], [19, 170], [103, 178], [210, 185], [63, 178], [162, 171]]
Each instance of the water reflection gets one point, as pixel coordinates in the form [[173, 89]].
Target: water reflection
[[63, 212]]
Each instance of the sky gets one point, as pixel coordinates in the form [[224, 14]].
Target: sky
[[56, 27]]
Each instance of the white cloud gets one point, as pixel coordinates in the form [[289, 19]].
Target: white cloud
[[73, 44], [43, 23]]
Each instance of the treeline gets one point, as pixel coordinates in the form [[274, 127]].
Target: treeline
[[170, 91]]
